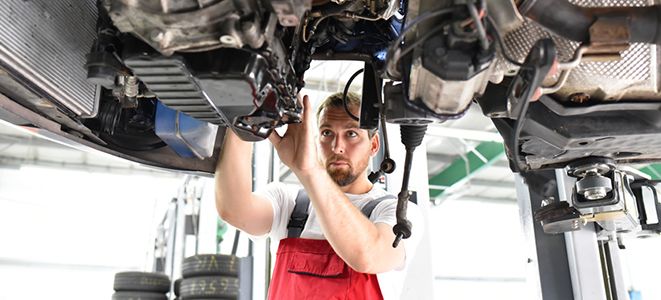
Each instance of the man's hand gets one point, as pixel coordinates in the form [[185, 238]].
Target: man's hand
[[297, 148]]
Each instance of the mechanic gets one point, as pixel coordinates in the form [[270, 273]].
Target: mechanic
[[344, 251]]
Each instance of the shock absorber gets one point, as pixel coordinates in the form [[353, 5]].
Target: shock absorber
[[412, 136]]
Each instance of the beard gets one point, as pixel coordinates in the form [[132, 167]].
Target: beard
[[343, 176]]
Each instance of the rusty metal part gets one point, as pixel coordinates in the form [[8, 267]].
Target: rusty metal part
[[565, 68], [589, 53], [574, 22], [579, 98], [619, 66], [609, 36], [634, 77]]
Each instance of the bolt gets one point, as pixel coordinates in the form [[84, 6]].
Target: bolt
[[595, 193], [131, 88], [592, 172], [574, 224], [579, 98], [228, 40]]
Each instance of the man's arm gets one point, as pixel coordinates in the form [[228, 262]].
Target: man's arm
[[364, 246], [235, 202]]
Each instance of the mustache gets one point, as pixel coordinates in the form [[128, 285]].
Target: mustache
[[337, 157]]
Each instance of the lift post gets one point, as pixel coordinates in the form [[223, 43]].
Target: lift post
[[578, 265]]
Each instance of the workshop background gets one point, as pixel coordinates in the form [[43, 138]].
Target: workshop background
[[70, 218]]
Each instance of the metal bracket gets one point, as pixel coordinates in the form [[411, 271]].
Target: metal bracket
[[609, 36]]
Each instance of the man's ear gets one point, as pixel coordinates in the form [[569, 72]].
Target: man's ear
[[375, 144]]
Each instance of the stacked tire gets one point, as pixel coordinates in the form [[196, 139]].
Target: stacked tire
[[141, 286], [176, 288], [209, 276]]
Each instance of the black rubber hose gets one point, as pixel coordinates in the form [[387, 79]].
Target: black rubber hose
[[561, 17], [346, 91], [645, 25], [573, 22]]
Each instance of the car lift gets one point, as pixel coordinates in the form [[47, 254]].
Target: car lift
[[574, 220]]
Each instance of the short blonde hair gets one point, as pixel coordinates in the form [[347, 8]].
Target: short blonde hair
[[336, 101]]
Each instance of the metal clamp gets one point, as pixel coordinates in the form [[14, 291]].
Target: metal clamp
[[565, 68], [608, 37]]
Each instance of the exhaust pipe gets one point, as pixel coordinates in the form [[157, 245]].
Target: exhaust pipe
[[574, 22]]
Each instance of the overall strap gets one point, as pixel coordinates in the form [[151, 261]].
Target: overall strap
[[299, 216], [369, 207]]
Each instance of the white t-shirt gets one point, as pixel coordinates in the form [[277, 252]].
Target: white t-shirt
[[283, 199]]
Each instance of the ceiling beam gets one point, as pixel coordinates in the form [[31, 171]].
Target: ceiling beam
[[464, 134], [480, 183], [460, 171], [491, 184], [439, 157], [495, 200]]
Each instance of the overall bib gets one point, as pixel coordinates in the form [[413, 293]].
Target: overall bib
[[310, 269]]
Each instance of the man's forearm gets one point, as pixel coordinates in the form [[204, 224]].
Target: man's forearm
[[354, 237], [233, 179]]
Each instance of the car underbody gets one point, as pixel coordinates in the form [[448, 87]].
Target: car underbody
[[240, 65], [159, 82]]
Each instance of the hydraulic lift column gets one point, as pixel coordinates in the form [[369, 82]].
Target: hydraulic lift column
[[577, 264]]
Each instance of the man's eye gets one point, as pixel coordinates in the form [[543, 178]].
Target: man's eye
[[326, 133], [352, 134]]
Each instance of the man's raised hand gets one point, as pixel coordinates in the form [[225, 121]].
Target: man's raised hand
[[297, 148]]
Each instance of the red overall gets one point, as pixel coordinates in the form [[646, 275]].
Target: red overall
[[310, 269]]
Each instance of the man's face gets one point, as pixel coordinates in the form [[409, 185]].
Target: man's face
[[345, 148]]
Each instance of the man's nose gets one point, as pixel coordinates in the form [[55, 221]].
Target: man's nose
[[338, 145]]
